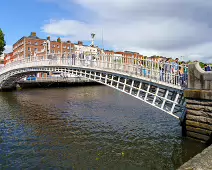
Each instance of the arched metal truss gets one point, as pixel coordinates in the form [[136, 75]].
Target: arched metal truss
[[166, 97]]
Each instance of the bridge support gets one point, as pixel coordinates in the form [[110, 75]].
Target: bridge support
[[198, 117]]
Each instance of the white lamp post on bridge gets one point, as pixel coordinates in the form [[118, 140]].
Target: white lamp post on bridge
[[92, 39]]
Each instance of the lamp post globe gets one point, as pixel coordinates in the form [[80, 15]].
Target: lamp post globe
[[92, 37]]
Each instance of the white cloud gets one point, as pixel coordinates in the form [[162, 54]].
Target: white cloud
[[163, 27], [8, 49]]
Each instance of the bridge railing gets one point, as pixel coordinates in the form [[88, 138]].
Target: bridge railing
[[152, 70]]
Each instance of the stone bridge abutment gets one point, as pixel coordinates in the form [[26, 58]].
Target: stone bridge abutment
[[198, 118]]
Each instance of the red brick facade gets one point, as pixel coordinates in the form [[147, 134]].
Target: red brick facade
[[32, 46], [8, 58]]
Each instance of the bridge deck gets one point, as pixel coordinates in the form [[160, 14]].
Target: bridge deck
[[141, 79]]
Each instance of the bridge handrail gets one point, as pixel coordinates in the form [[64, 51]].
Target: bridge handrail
[[162, 72]]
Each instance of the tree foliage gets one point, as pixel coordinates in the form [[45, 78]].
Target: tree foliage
[[202, 64], [2, 42]]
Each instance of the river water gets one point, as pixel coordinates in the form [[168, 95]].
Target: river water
[[88, 128]]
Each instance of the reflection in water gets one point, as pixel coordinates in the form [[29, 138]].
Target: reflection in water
[[88, 128]]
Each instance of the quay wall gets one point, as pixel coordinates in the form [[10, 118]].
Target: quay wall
[[201, 161], [51, 83]]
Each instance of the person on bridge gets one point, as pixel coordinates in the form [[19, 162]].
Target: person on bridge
[[167, 70], [161, 68], [207, 67], [175, 71]]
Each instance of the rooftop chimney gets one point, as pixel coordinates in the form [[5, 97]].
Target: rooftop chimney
[[48, 38], [59, 40], [33, 34], [80, 43]]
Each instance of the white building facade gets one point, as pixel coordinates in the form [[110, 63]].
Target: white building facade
[[84, 49]]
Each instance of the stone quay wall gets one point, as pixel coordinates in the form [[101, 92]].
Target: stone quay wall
[[201, 161], [198, 117], [198, 121]]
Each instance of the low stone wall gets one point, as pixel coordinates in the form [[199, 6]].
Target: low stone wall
[[198, 78], [198, 120]]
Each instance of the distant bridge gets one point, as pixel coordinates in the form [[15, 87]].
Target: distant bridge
[[142, 79]]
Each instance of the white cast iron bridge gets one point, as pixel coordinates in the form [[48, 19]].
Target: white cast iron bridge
[[143, 79]]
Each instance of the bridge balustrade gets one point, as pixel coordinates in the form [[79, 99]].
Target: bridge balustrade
[[157, 83], [170, 74]]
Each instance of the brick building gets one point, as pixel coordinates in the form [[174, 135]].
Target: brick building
[[8, 58], [33, 46]]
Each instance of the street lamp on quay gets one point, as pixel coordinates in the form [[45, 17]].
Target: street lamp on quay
[[45, 48]]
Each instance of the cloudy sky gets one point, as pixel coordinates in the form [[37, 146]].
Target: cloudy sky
[[162, 27]]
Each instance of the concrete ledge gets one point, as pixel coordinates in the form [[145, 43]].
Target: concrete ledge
[[198, 94], [202, 161], [198, 78]]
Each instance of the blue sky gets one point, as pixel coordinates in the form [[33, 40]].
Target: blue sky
[[171, 28], [21, 17]]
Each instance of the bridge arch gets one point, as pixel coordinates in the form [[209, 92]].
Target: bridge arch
[[166, 97]]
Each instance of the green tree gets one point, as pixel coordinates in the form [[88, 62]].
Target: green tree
[[2, 42], [202, 64]]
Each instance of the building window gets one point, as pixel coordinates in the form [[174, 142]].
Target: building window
[[58, 52], [53, 45], [29, 49], [52, 51], [36, 43], [58, 46], [68, 48], [29, 42], [36, 49]]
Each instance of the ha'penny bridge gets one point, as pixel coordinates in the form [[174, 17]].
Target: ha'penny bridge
[[159, 84]]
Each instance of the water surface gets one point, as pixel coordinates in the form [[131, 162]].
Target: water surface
[[88, 128]]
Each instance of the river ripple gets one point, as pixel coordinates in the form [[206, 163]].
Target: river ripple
[[87, 128]]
